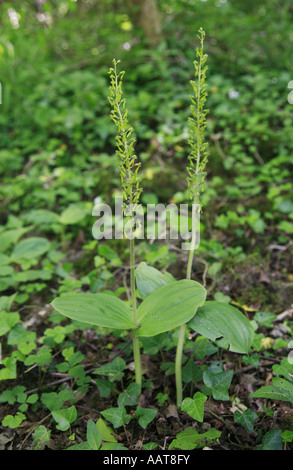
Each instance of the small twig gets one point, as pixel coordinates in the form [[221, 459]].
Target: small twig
[[165, 443], [286, 313]]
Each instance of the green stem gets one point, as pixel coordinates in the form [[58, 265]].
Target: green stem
[[178, 364], [137, 360], [180, 344], [189, 264], [132, 280], [135, 340], [199, 155]]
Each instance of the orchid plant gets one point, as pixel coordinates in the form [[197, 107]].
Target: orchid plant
[[166, 303]]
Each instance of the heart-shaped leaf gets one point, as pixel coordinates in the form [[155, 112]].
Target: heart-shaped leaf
[[145, 416], [169, 307], [130, 396], [95, 309], [117, 416], [195, 406], [114, 369], [246, 419], [64, 417], [218, 319]]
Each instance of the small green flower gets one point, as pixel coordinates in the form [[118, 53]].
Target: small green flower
[[198, 156], [129, 164]]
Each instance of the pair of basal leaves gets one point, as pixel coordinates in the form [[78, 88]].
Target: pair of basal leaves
[[166, 304]]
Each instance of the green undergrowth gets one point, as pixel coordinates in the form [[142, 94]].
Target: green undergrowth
[[66, 384]]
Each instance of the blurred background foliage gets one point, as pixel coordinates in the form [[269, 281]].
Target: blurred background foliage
[[57, 145]]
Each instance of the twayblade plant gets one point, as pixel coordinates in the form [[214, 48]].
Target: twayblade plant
[[196, 170], [130, 181], [169, 303], [212, 319]]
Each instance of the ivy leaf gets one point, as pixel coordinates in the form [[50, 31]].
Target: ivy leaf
[[116, 416], [145, 415], [195, 406], [272, 440], [105, 387], [64, 417], [191, 372], [219, 383], [246, 419], [130, 396], [41, 437], [203, 347], [114, 369]]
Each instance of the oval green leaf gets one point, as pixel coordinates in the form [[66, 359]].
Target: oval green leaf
[[30, 248], [95, 309], [218, 319], [73, 214], [93, 435], [281, 389], [169, 307], [149, 279]]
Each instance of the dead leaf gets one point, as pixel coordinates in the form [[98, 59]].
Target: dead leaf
[[268, 379], [172, 412], [4, 439], [264, 278], [286, 313]]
